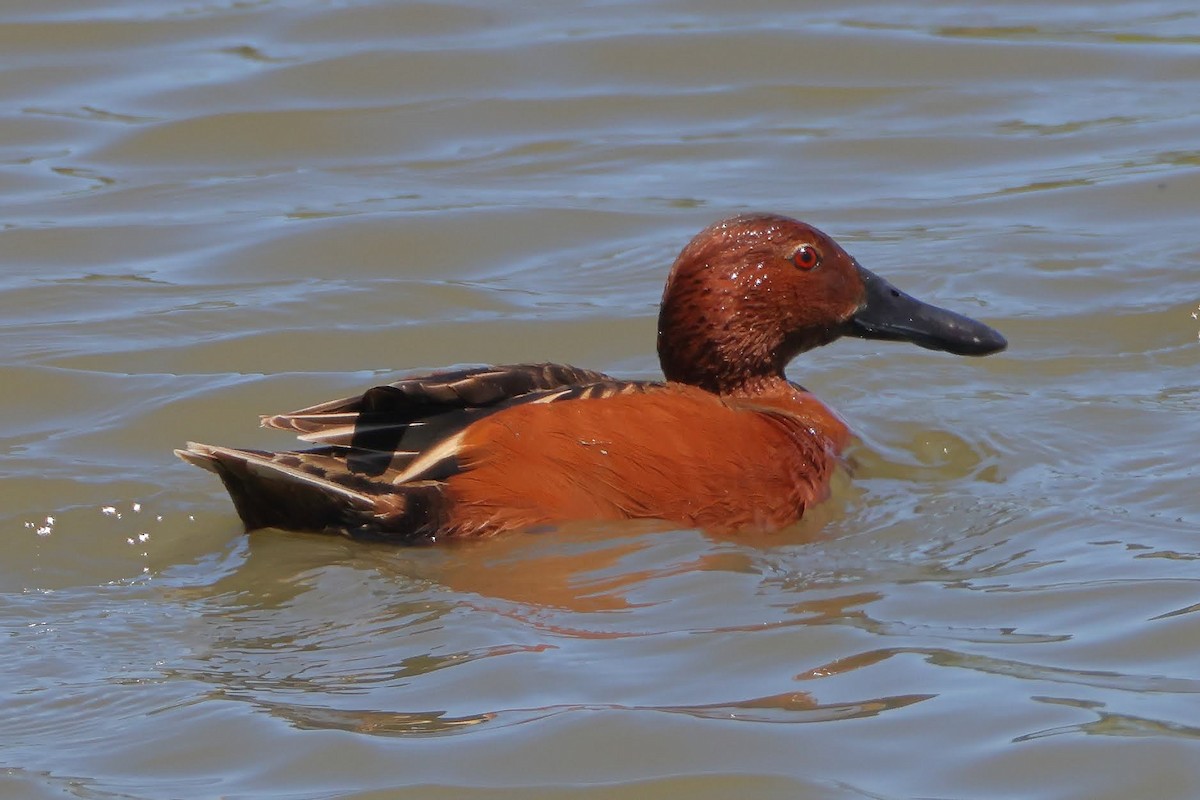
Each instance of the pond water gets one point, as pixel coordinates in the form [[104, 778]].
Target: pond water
[[211, 210]]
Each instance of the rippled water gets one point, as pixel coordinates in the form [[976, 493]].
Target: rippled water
[[211, 210]]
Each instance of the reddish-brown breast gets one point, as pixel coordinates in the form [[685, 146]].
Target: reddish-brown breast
[[679, 454]]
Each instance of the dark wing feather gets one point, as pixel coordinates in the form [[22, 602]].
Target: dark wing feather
[[402, 424], [411, 399]]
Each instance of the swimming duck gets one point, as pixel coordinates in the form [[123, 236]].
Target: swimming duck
[[725, 443]]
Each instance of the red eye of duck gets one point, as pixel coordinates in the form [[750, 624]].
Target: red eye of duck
[[806, 257]]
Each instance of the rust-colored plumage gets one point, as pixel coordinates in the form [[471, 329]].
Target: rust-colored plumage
[[726, 443]]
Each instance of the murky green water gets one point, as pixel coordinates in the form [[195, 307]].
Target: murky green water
[[211, 210]]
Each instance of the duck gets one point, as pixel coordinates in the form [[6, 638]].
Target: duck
[[724, 443]]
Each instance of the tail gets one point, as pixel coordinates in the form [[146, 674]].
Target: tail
[[314, 491]]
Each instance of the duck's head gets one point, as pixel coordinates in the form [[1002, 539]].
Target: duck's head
[[748, 294]]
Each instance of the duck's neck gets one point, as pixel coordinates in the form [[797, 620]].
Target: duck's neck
[[721, 360], [744, 363], [701, 362], [761, 386]]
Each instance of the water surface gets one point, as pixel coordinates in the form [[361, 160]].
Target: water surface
[[212, 210]]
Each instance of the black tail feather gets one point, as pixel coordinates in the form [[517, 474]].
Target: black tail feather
[[311, 491]]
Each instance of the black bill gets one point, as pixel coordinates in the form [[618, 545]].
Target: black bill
[[888, 313]]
